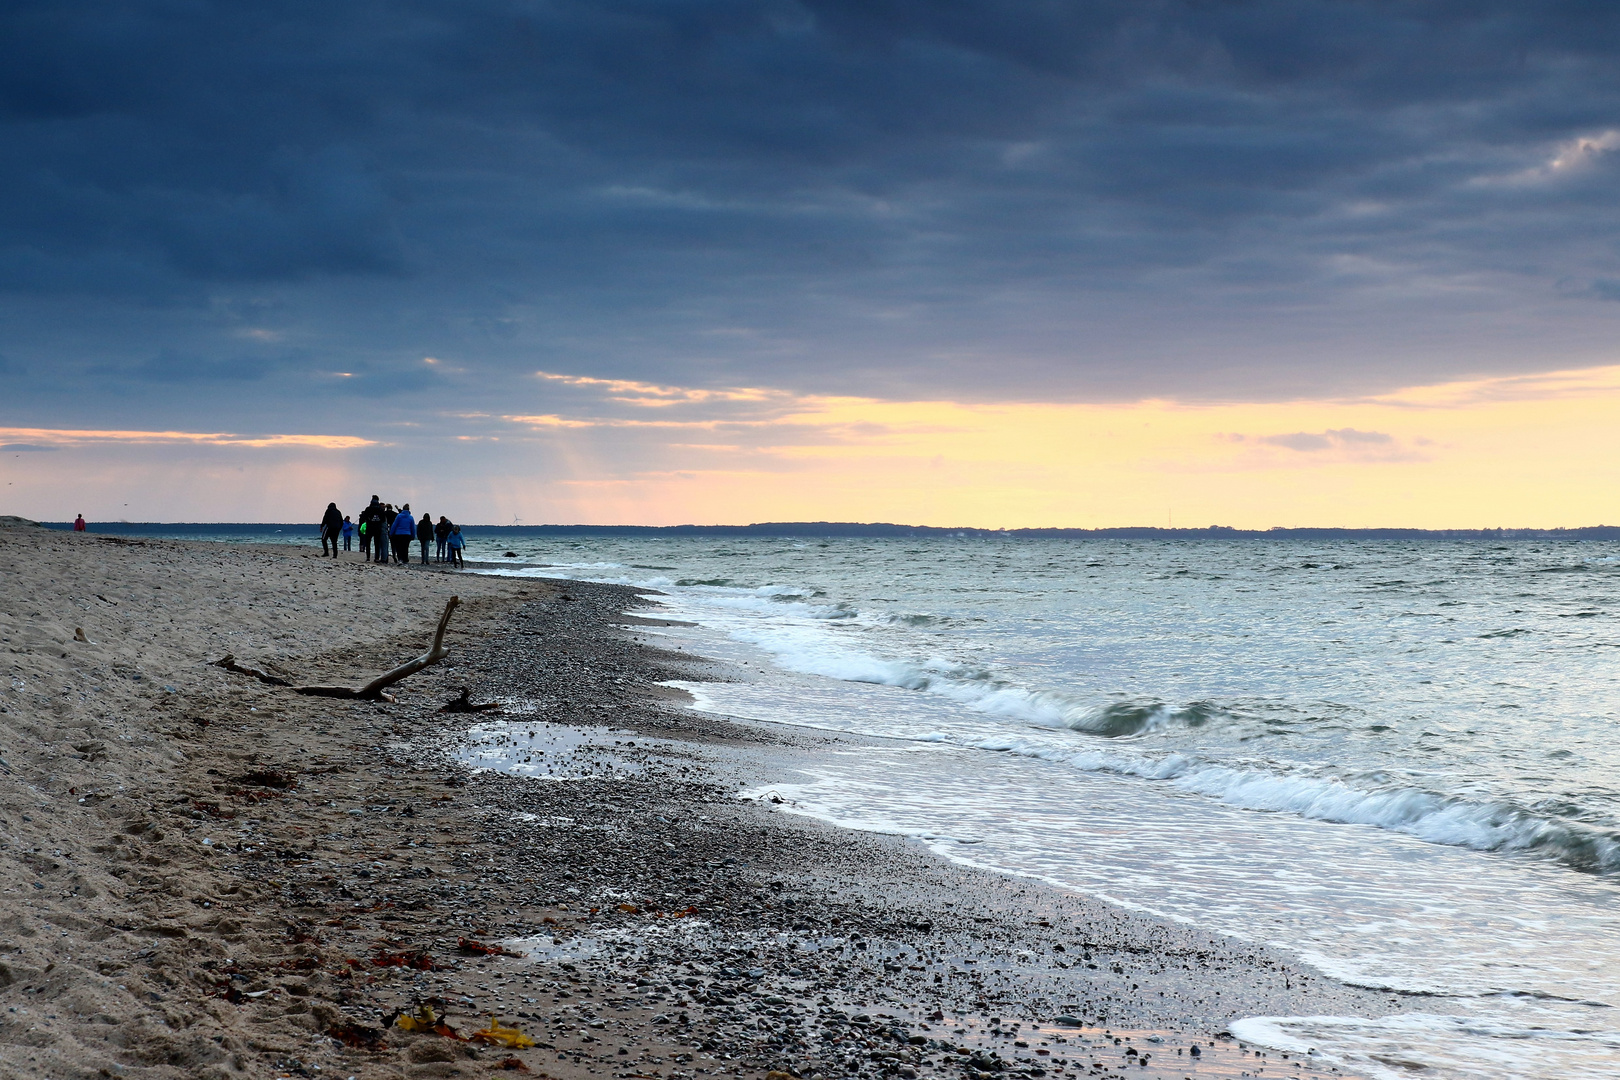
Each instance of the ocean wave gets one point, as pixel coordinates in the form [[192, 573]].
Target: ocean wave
[[793, 605], [1497, 825], [1484, 825], [1125, 718], [1125, 730], [916, 619], [980, 688]]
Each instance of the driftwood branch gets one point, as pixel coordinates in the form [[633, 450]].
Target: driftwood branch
[[373, 690], [229, 664]]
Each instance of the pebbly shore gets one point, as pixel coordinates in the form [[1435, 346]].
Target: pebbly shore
[[212, 876]]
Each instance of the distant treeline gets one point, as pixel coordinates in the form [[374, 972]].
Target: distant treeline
[[849, 530]]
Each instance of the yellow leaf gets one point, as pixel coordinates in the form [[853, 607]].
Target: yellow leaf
[[424, 1020], [506, 1036]]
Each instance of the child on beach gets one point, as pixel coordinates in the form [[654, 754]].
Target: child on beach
[[348, 534], [455, 543]]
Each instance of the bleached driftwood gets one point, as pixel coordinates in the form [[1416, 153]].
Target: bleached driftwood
[[373, 690]]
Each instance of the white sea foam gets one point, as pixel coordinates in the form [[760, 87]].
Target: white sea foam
[[1488, 825], [800, 638], [1397, 1047]]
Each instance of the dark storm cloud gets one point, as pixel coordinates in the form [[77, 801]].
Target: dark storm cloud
[[913, 198]]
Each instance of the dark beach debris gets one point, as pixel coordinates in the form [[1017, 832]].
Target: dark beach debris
[[420, 961], [269, 778], [512, 1064], [212, 809], [358, 1036], [464, 703], [300, 963], [478, 948], [250, 795]]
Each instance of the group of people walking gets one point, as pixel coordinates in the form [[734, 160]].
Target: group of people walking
[[386, 534]]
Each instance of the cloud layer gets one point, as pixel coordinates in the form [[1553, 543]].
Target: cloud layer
[[300, 216]]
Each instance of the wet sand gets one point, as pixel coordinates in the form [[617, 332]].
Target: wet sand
[[214, 877]]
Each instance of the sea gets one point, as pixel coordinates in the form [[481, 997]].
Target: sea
[[1393, 759]]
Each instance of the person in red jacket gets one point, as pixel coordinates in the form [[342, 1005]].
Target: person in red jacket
[[78, 523]]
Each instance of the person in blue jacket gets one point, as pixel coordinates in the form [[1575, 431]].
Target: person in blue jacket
[[455, 543], [402, 532], [348, 534]]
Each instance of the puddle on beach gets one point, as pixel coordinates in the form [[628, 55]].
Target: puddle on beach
[[550, 948], [558, 752]]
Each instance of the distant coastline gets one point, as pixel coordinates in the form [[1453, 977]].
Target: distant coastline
[[878, 530]]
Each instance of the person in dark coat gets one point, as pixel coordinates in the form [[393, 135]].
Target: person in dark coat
[[369, 533], [331, 528], [441, 533], [424, 533]]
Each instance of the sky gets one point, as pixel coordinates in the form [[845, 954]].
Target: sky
[[934, 261]]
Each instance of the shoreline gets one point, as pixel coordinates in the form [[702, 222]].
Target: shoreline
[[215, 876]]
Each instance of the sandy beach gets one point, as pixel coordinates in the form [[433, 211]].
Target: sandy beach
[[206, 875]]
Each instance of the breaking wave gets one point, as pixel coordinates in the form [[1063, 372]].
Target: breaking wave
[[1481, 824]]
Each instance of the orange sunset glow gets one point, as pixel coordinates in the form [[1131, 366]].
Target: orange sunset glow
[[1532, 451]]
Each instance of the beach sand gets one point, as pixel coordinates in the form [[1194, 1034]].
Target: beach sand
[[203, 875]]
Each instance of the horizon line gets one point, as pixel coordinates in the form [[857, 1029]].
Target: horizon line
[[854, 529]]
